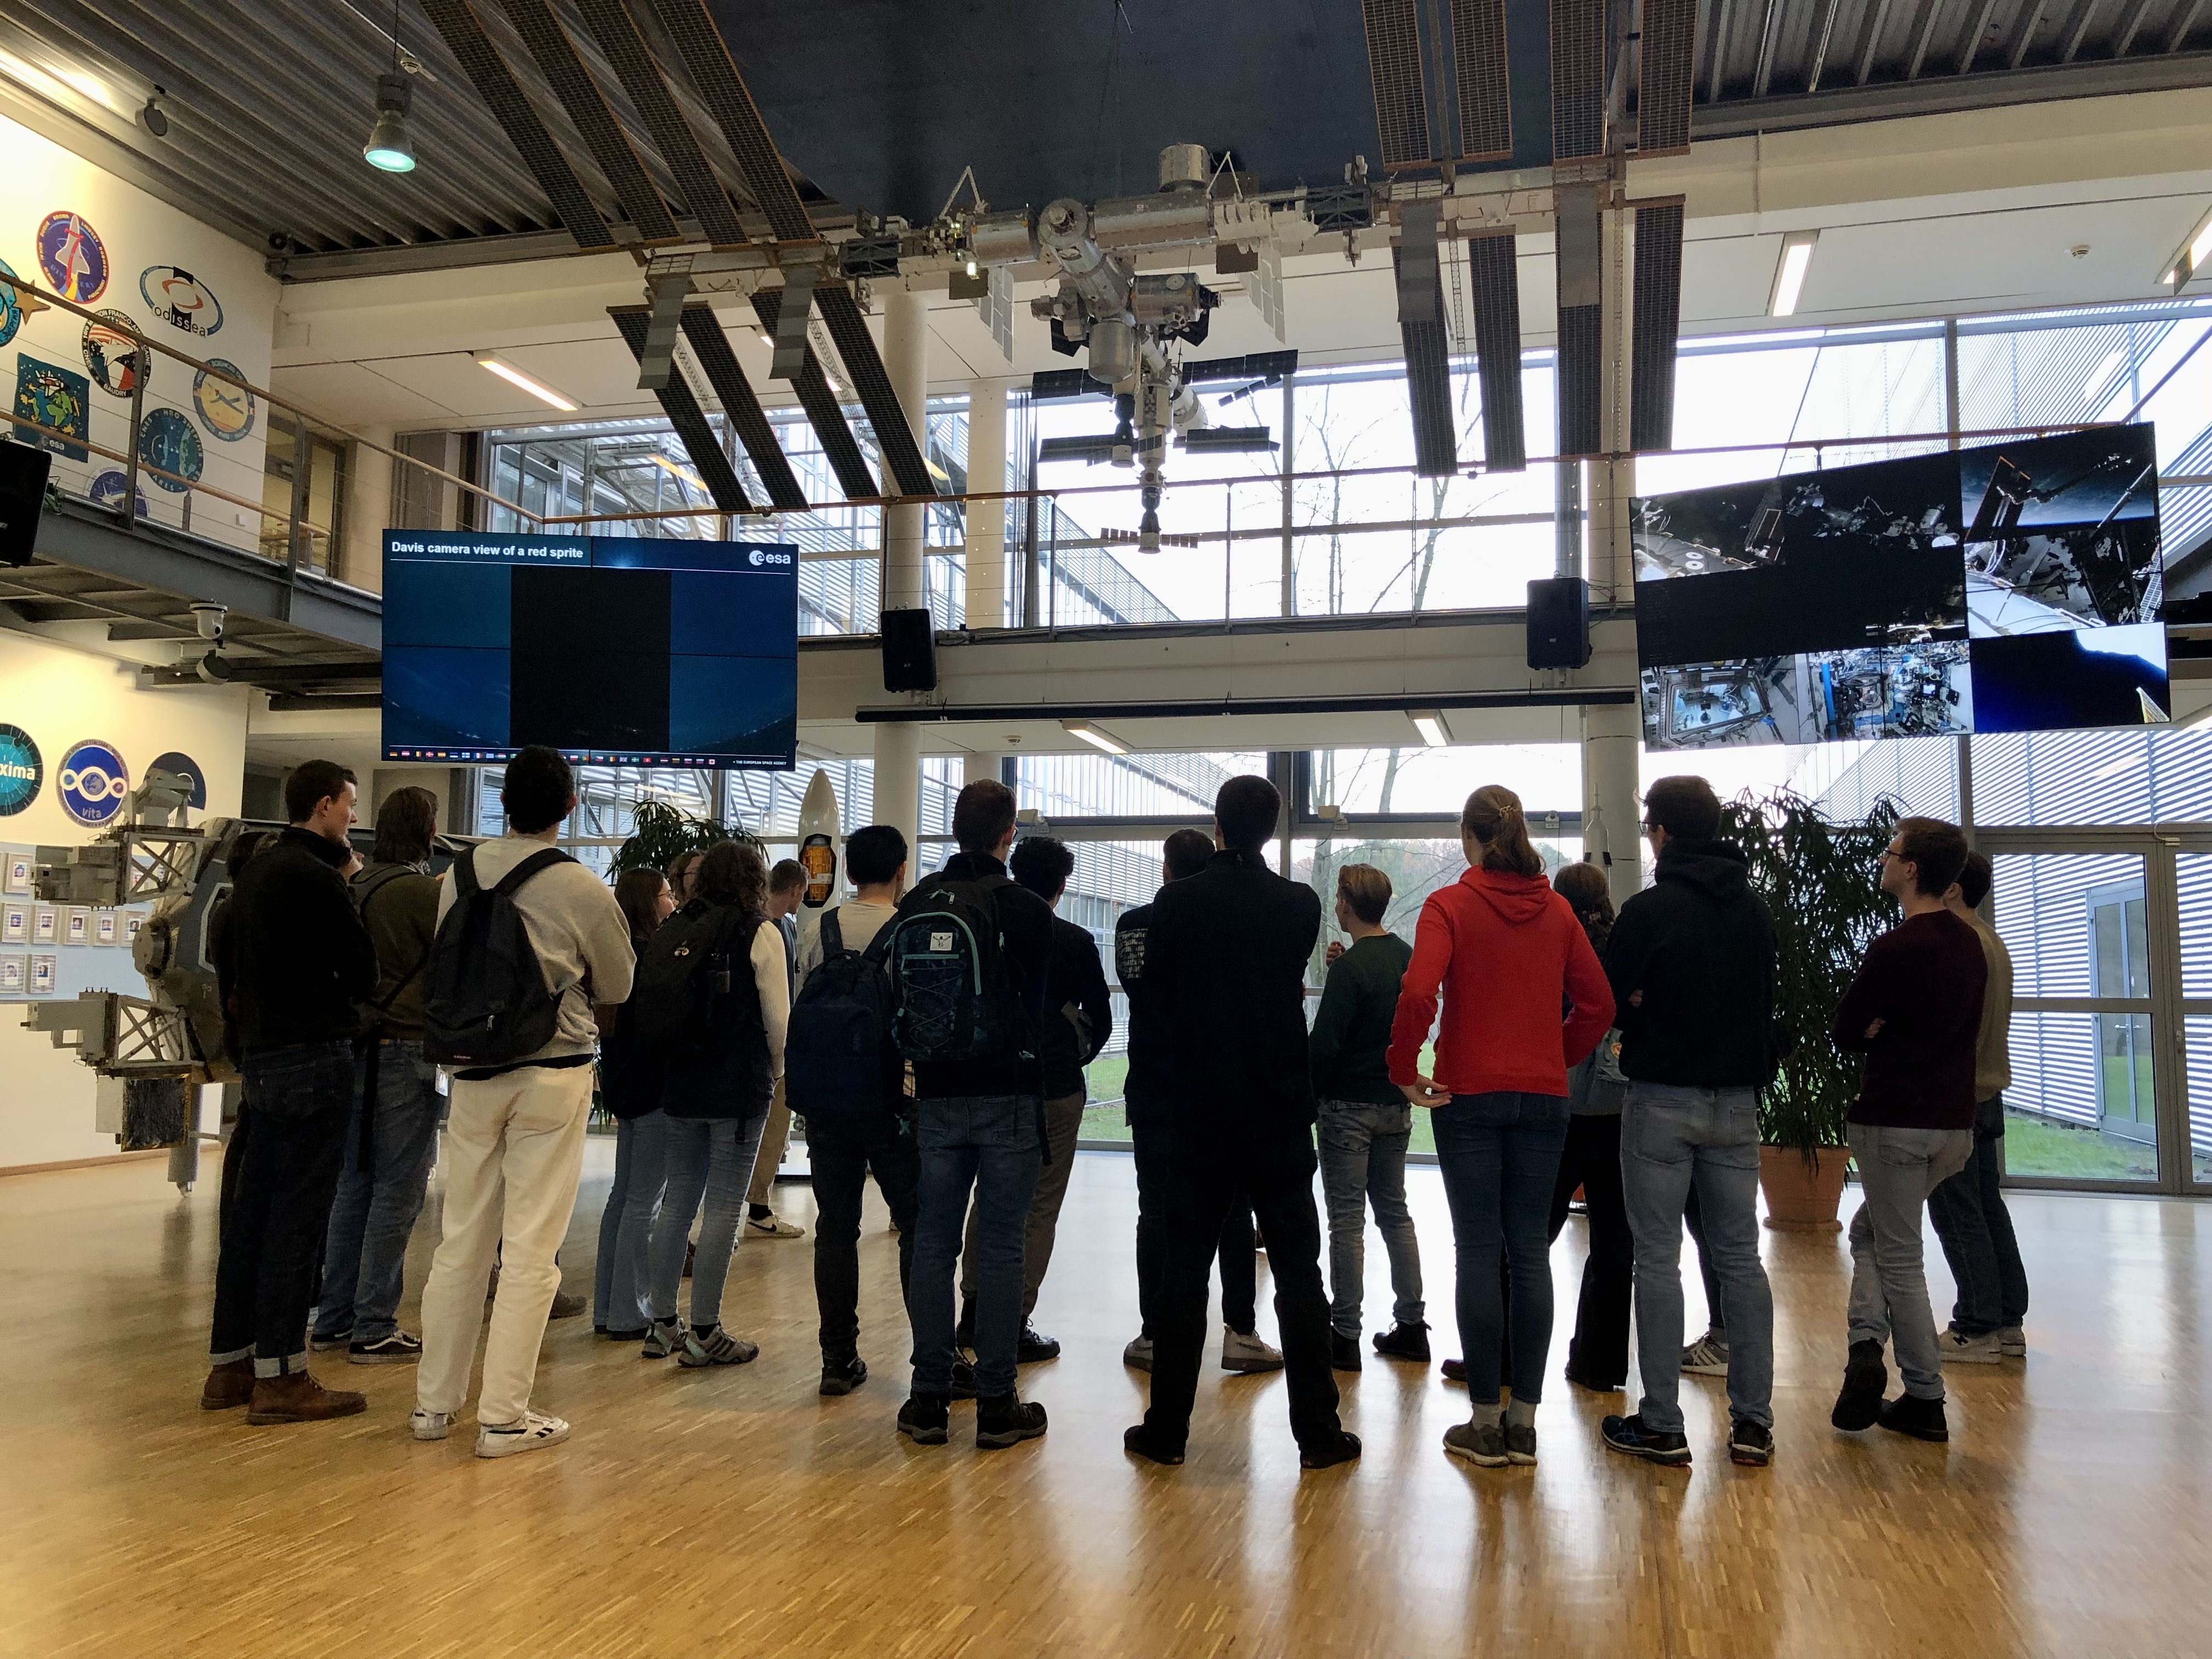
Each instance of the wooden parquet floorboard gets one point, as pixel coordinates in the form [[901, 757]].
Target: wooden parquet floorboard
[[732, 1511]]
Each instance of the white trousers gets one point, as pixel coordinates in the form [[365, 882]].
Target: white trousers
[[513, 1152]]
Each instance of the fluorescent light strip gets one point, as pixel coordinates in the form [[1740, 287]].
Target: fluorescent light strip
[[1790, 275], [513, 376], [1091, 735], [1429, 723], [2200, 245]]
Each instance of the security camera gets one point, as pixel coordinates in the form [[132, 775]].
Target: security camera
[[207, 617], [213, 669]]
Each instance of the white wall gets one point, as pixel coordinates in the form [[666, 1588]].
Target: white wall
[[138, 231], [61, 696]]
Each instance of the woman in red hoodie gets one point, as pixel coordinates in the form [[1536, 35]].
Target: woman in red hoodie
[[1508, 953]]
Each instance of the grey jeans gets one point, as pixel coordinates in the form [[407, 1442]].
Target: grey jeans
[[1063, 1127], [710, 1164], [1671, 1137], [1362, 1162], [1898, 1168]]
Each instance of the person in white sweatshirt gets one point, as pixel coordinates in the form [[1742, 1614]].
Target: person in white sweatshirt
[[515, 1133]]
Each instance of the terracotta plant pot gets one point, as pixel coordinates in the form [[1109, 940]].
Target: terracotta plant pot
[[1802, 1197]]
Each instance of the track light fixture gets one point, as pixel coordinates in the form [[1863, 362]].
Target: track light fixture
[[1097, 739], [1790, 272]]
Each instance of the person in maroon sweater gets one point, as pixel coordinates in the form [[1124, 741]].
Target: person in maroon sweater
[[1914, 1012]]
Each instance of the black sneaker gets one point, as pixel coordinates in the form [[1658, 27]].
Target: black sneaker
[[1343, 1351], [1007, 1419], [396, 1349], [1750, 1443], [963, 1332], [1920, 1419], [1479, 1443], [1521, 1444], [1631, 1436], [1866, 1379], [1403, 1342], [842, 1377], [1456, 1372], [1328, 1453], [319, 1343], [1139, 1444], [1035, 1345], [963, 1380], [925, 1420]]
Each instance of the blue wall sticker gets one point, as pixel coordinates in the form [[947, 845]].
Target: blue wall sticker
[[73, 258], [22, 769], [108, 489], [11, 312], [165, 440], [180, 764], [55, 397], [93, 782]]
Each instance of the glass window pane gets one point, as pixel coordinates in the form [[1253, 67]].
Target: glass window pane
[[2043, 906], [2059, 1115], [1547, 776], [2193, 871], [2196, 1033]]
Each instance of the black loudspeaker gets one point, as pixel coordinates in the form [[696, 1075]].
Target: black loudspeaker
[[23, 472], [1558, 622], [910, 651]]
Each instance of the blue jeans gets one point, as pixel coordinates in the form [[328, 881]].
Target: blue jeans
[[709, 1159], [1362, 1162], [988, 1143], [1671, 1137], [1500, 1154], [1975, 1228], [626, 1224], [376, 1207]]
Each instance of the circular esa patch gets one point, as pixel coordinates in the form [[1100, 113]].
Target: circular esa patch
[[165, 440], [11, 312], [225, 410], [180, 299], [116, 360], [22, 769], [107, 491], [177, 764], [93, 782], [73, 258]]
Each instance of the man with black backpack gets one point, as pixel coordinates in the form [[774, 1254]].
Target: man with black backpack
[[293, 962], [394, 1132], [528, 940], [842, 1078], [968, 956]]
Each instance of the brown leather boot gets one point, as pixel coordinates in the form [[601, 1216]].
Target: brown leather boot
[[228, 1384], [298, 1398]]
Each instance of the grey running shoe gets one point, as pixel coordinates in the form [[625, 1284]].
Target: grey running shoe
[[716, 1347], [1706, 1357], [1483, 1443]]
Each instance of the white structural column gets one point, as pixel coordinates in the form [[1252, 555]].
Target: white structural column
[[1612, 813], [987, 521], [898, 746]]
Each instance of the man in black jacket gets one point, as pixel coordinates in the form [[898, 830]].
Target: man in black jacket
[[1692, 963], [1078, 1018], [978, 1126], [1225, 959], [294, 962]]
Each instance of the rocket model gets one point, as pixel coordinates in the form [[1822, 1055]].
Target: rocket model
[[818, 847]]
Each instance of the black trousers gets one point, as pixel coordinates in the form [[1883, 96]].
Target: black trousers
[[1599, 1353], [301, 1100], [843, 1153], [1273, 1165], [1240, 1272]]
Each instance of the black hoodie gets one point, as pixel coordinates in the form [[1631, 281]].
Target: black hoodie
[[1700, 945]]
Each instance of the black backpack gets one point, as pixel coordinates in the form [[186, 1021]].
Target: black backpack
[[953, 997], [837, 1059], [687, 973], [485, 1002]]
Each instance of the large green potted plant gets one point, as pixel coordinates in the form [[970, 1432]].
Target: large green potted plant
[[1822, 880], [661, 831]]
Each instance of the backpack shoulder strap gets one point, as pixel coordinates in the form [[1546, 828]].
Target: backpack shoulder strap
[[465, 875], [529, 867], [832, 933]]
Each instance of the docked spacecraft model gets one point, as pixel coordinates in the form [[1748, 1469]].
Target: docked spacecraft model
[[1131, 326]]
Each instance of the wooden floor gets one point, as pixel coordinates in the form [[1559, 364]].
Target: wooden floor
[[733, 1512]]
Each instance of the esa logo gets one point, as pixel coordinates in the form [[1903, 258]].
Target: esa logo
[[760, 556]]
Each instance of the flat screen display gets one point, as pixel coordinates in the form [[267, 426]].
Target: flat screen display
[[2014, 587], [614, 650]]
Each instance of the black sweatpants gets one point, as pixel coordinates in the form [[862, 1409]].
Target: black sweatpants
[[1240, 1272], [841, 1154], [1207, 1166], [1599, 1353]]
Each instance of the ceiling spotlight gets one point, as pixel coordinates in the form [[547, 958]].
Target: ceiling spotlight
[[153, 118], [1429, 723], [389, 149], [1097, 739], [1789, 274], [2188, 262], [513, 376]]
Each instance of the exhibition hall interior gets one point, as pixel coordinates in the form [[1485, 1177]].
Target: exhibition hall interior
[[1223, 539]]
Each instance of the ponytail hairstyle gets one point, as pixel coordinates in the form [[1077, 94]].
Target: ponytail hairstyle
[[1583, 886], [1493, 819]]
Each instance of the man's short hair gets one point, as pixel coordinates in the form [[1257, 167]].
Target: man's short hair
[[872, 855], [981, 815], [1247, 808], [1685, 806], [1366, 890], [789, 873], [311, 783], [1185, 852], [538, 790], [406, 825], [1937, 850], [1042, 864], [1975, 878]]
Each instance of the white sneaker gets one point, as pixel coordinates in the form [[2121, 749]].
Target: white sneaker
[[1960, 1349], [1706, 1357], [2012, 1341], [772, 1225], [532, 1430], [430, 1425], [1240, 1352]]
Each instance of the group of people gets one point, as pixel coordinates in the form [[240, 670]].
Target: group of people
[[1620, 1057]]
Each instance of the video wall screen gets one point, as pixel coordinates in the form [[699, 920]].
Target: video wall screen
[[2015, 587], [615, 650]]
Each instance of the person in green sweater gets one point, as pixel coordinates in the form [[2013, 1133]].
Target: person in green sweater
[[1366, 1121]]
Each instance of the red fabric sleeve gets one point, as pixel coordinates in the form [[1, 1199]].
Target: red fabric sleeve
[[1588, 991], [1417, 990]]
